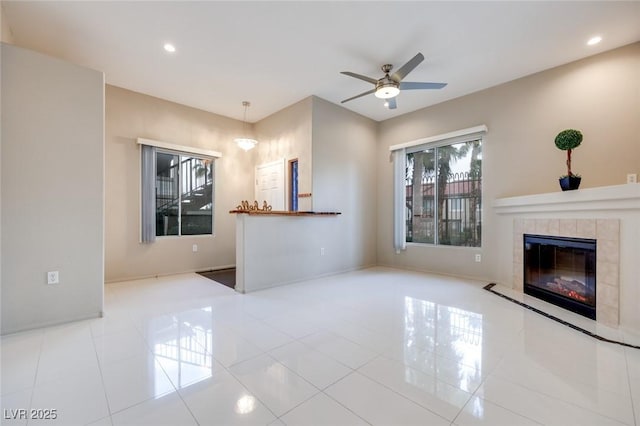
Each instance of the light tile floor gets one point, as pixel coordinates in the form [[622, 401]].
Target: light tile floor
[[377, 346]]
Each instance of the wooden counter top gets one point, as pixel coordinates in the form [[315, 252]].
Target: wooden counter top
[[283, 213]]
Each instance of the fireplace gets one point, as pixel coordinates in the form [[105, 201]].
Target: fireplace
[[561, 271]]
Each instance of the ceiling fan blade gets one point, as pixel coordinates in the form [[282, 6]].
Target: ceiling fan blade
[[368, 92], [408, 67], [412, 85], [360, 77], [391, 103]]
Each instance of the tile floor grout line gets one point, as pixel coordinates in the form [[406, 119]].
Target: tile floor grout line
[[104, 387], [419, 371], [252, 357], [434, 377], [499, 405], [136, 404], [292, 336], [153, 355], [360, 345], [268, 351], [503, 407], [253, 394], [337, 380], [583, 408], [495, 403], [463, 407], [389, 358], [175, 390], [323, 353], [195, 419], [473, 394], [489, 288], [340, 403], [35, 376], [578, 382], [298, 405], [400, 395], [633, 405]]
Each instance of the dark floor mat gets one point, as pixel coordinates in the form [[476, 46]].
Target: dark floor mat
[[222, 276]]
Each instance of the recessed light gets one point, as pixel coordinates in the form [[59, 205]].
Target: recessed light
[[169, 47], [594, 40]]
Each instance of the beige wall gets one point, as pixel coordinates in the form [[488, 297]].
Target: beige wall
[[599, 95], [287, 134], [130, 115], [6, 35], [52, 198], [336, 149], [344, 180]]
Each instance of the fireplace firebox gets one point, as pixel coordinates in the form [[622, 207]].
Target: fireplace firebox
[[561, 271]]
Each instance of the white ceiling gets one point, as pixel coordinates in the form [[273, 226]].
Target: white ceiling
[[277, 53]]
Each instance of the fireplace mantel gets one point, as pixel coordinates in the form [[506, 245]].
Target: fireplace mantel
[[617, 197], [609, 214]]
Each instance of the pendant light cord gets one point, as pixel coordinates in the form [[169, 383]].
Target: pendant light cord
[[246, 105]]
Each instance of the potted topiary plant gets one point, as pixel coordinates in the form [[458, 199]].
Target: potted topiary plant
[[566, 141]]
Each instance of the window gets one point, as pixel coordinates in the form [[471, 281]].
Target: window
[[176, 189], [443, 194], [183, 194]]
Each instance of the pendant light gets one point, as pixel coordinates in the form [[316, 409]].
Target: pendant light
[[246, 143]]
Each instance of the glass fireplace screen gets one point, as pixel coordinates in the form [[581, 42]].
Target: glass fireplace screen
[[560, 268]]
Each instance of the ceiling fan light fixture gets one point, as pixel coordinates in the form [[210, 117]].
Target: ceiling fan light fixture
[[389, 86], [245, 143], [387, 90]]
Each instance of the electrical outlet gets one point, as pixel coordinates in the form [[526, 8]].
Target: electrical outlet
[[632, 178], [194, 248], [53, 277], [321, 251], [478, 258]]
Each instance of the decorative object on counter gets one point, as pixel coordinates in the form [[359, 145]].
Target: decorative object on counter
[[566, 141], [245, 206], [284, 213], [246, 142]]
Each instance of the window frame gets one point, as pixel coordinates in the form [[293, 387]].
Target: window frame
[[416, 146], [179, 150], [399, 156], [180, 155]]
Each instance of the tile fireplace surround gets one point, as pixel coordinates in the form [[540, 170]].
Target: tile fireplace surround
[[610, 215], [606, 234]]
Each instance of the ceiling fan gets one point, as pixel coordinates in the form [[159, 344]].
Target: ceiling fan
[[389, 86]]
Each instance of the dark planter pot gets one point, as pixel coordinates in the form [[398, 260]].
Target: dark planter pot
[[569, 183]]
